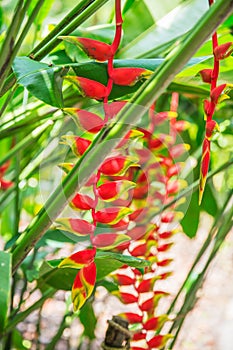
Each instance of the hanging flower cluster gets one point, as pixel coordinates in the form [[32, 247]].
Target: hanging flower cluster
[[124, 195], [109, 183], [151, 236], [218, 93]]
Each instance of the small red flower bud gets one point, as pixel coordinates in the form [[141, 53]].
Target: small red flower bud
[[211, 127], [206, 75], [5, 184], [223, 51]]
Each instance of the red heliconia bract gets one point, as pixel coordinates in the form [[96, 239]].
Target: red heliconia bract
[[223, 51], [88, 88], [206, 75], [82, 202], [129, 76], [93, 48]]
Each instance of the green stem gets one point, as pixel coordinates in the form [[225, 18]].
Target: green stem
[[129, 115], [8, 49]]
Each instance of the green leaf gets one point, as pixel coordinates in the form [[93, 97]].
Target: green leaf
[[43, 12], [5, 286], [42, 81], [168, 29], [88, 320], [190, 220]]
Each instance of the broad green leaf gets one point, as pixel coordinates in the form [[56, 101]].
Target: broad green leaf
[[131, 30], [169, 28], [41, 80], [43, 11], [5, 286], [190, 220], [88, 320]]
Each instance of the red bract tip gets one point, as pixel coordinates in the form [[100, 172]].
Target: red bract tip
[[113, 108], [125, 280], [223, 51], [5, 184], [217, 92], [89, 88], [79, 259], [158, 341], [116, 165], [112, 215], [129, 76], [93, 48], [109, 240], [82, 202], [86, 120], [76, 226], [211, 127], [128, 298], [132, 317]]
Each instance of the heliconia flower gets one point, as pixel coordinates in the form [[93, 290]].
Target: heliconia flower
[[155, 322], [132, 317], [164, 262], [166, 234], [140, 192], [79, 227], [132, 134], [78, 145], [124, 280], [205, 160], [126, 298], [181, 125], [206, 75], [140, 248], [217, 94], [174, 169], [82, 202], [146, 285], [164, 247], [223, 51], [112, 215], [139, 336], [159, 341], [129, 76], [5, 184], [79, 259], [66, 167], [108, 241], [83, 285], [88, 88], [113, 108], [161, 117], [159, 142], [152, 302], [117, 165], [88, 121], [211, 128], [93, 48], [175, 186], [177, 150], [112, 190], [4, 167]]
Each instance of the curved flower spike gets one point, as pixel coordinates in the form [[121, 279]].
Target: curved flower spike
[[79, 259], [93, 48], [83, 286], [88, 88], [129, 76], [159, 341], [86, 120]]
